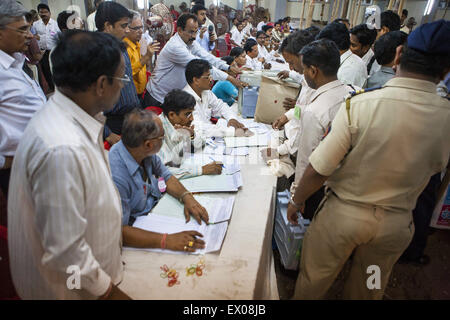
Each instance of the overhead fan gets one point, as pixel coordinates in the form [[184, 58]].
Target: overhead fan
[[222, 25], [160, 23]]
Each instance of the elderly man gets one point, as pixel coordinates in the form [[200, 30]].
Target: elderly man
[[180, 137], [174, 57], [63, 209], [375, 171], [47, 30], [139, 62], [20, 96], [198, 77], [113, 18], [138, 174]]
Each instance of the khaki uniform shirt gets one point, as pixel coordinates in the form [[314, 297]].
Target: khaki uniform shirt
[[315, 118], [398, 138]]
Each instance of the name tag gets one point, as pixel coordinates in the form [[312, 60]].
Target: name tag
[[297, 112]]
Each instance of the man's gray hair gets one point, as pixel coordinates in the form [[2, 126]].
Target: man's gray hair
[[10, 11], [136, 15], [139, 125]]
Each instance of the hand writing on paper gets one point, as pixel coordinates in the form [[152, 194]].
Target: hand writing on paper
[[212, 168], [178, 241], [192, 207]]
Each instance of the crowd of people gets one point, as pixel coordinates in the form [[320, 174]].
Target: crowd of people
[[368, 134]]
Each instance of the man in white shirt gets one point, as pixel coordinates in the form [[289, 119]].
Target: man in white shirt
[[237, 35], [251, 58], [352, 70], [320, 62], [20, 96], [262, 23], [174, 57], [64, 213], [180, 137], [361, 41], [247, 26], [91, 18], [290, 49], [47, 29], [198, 77], [263, 54]]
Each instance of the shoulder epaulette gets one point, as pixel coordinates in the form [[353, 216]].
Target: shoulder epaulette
[[351, 95]]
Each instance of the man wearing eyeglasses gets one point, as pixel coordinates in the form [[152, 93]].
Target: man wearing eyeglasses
[[142, 178], [175, 56], [113, 18], [180, 137], [139, 62], [20, 96]]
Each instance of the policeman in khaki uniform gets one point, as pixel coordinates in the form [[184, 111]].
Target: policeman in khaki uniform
[[378, 157]]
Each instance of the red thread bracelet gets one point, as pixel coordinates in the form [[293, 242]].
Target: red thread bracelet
[[163, 241]]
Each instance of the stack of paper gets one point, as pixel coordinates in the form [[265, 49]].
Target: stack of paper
[[253, 141], [213, 234], [214, 183], [218, 148], [219, 208]]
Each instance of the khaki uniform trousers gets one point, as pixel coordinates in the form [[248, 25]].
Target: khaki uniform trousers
[[376, 236]]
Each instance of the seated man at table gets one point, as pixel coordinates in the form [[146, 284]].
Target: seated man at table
[[252, 62], [137, 173], [180, 138], [198, 77]]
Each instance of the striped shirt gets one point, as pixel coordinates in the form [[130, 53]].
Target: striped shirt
[[175, 148], [64, 212]]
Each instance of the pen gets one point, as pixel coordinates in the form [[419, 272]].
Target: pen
[[215, 161]]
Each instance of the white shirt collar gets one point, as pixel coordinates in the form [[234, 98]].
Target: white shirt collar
[[191, 91], [92, 126], [7, 61], [345, 55]]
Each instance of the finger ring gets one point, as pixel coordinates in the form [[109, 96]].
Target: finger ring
[[191, 243], [185, 248]]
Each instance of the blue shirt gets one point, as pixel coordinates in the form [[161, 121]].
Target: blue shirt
[[204, 43], [128, 96], [225, 91], [138, 196]]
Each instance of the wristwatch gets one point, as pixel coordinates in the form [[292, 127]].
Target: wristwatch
[[291, 201]]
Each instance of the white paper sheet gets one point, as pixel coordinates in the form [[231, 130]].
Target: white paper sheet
[[254, 141], [219, 209], [213, 234]]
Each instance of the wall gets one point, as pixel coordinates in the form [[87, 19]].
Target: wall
[[294, 9]]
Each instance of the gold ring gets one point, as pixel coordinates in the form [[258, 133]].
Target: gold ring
[[191, 243], [185, 248]]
